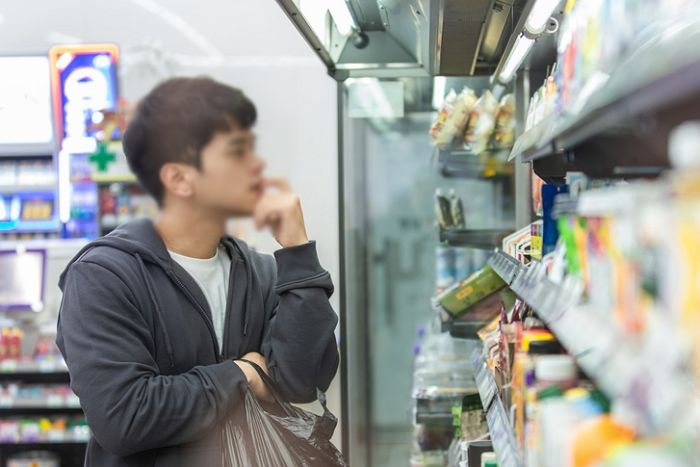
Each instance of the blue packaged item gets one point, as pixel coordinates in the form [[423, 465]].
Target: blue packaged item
[[550, 234], [444, 266]]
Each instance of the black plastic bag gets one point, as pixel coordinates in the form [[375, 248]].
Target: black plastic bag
[[280, 434]]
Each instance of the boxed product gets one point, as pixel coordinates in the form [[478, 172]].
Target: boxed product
[[458, 299]]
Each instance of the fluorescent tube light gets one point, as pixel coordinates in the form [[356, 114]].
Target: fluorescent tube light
[[515, 59], [340, 11], [539, 15], [439, 88]]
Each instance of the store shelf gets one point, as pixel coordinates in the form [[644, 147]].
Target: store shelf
[[434, 418], [106, 179], [506, 266], [617, 361], [67, 440], [462, 329], [465, 164], [12, 189], [603, 138], [43, 411], [480, 238], [34, 372], [500, 428]]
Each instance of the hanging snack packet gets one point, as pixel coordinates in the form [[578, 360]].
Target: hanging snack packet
[[504, 132], [456, 120], [482, 122], [443, 114]]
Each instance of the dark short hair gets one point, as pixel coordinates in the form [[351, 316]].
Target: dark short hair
[[176, 120]]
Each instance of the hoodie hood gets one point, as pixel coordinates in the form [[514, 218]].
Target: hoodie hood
[[140, 239]]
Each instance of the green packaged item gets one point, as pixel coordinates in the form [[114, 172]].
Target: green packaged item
[[458, 299]]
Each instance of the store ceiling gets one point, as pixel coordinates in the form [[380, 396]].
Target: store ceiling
[[414, 37], [163, 38], [182, 29]]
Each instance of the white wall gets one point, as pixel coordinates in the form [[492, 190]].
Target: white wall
[[247, 43]]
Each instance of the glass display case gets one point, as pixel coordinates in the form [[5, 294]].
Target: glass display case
[[393, 248]]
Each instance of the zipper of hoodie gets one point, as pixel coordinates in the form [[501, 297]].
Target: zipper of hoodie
[[228, 311], [202, 313]]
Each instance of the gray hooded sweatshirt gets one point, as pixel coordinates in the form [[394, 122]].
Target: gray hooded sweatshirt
[[137, 335]]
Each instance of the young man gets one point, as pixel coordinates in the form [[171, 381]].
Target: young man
[[156, 314]]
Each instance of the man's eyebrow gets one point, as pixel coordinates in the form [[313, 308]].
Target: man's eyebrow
[[239, 140]]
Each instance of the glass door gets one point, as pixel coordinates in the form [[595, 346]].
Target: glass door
[[389, 176]]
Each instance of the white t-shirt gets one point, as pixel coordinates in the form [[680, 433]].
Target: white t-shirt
[[212, 276]]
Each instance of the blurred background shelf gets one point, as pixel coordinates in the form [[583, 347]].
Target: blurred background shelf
[[603, 139], [12, 189], [34, 372], [462, 163], [43, 410], [475, 238], [500, 428]]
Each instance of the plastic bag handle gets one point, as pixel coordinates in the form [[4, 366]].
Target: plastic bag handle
[[272, 386], [267, 380]]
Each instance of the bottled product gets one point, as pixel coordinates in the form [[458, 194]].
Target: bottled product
[[555, 370], [553, 375], [463, 262], [595, 439], [532, 344], [444, 259], [488, 459], [442, 210], [456, 210]]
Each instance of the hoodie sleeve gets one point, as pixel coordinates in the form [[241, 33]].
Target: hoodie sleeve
[[299, 343], [108, 347]]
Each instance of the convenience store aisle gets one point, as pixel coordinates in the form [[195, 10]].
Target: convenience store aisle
[[579, 309]]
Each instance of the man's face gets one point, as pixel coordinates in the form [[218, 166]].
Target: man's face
[[230, 179]]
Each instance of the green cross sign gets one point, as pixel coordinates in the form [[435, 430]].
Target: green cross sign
[[103, 157]]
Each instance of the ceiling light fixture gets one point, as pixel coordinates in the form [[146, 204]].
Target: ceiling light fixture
[[516, 57], [529, 28], [541, 11], [342, 16]]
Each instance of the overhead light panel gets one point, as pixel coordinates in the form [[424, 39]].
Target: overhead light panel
[[342, 16], [540, 13], [439, 88], [516, 57], [528, 30]]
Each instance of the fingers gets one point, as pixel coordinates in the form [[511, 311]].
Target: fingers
[[280, 183], [267, 211], [256, 358], [265, 215]]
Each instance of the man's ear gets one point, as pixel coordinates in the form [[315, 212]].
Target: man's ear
[[177, 179]]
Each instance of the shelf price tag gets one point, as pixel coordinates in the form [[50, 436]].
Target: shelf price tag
[[6, 402], [47, 366], [8, 366], [54, 401], [57, 436]]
